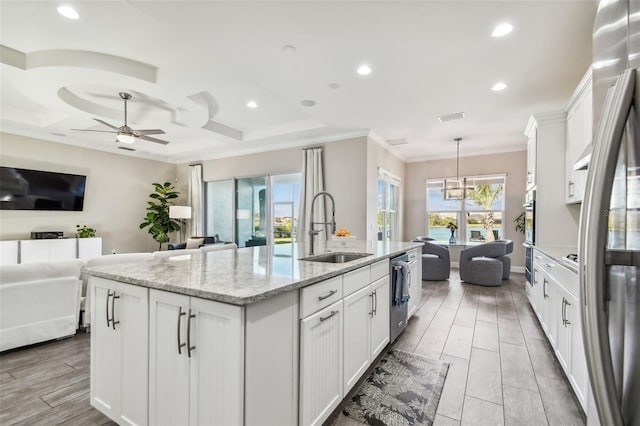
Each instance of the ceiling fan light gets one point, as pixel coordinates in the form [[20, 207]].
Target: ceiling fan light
[[125, 138]]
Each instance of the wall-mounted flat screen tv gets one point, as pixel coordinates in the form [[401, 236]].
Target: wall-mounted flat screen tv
[[24, 189]]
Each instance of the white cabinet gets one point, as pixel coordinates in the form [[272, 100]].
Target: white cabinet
[[321, 362], [8, 252], [119, 350], [88, 248], [380, 320], [358, 312], [579, 135], [531, 159], [196, 363], [46, 250], [415, 286], [558, 308]]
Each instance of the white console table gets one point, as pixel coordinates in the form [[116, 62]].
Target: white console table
[[28, 251]]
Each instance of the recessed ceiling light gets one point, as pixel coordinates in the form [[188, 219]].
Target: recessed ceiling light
[[499, 86], [252, 104], [308, 103], [364, 69], [289, 48], [68, 12], [502, 30]]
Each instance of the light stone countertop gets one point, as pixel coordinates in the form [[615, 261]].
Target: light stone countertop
[[245, 275], [559, 254]]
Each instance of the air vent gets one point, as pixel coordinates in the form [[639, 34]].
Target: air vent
[[451, 117], [394, 142], [126, 148]]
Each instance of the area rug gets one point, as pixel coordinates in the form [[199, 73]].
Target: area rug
[[402, 389]]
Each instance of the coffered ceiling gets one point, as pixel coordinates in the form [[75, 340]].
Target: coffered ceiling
[[193, 66]]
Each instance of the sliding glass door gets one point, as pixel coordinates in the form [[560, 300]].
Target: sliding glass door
[[251, 212], [219, 209]]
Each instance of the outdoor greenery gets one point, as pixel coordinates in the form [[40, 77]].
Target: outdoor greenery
[[440, 220], [484, 196], [85, 232], [157, 218]]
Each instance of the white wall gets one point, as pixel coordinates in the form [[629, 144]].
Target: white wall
[[511, 163], [116, 194], [344, 172], [377, 157]]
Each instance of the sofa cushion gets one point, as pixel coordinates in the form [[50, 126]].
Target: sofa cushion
[[194, 243]]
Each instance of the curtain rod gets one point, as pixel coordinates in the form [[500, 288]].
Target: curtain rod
[[313, 147]]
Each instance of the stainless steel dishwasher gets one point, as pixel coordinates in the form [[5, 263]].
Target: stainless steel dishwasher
[[398, 309]]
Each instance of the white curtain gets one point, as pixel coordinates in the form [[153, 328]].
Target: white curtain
[[312, 183], [196, 200]]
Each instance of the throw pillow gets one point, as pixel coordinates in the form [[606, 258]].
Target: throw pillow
[[194, 243]]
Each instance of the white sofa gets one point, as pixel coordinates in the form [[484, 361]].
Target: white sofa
[[39, 302]]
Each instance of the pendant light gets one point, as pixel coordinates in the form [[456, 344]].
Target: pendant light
[[456, 189]]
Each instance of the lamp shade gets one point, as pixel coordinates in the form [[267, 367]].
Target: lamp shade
[[180, 212]]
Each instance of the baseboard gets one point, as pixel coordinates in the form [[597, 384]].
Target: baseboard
[[517, 269]]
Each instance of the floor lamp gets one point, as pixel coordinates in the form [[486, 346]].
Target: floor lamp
[[182, 213]]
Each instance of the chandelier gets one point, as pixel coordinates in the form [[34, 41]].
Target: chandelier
[[456, 189]]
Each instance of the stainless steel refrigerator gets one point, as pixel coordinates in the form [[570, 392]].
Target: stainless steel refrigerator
[[609, 244]]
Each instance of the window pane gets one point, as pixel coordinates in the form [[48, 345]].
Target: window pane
[[479, 225], [488, 194], [435, 198], [438, 222], [219, 209], [286, 200], [251, 212], [380, 195]]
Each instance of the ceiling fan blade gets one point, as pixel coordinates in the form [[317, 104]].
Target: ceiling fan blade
[[149, 132], [150, 139], [106, 124], [90, 130]]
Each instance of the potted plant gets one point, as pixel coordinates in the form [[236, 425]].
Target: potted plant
[[157, 218], [85, 232], [519, 221]]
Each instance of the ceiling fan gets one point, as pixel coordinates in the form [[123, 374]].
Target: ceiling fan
[[126, 134]]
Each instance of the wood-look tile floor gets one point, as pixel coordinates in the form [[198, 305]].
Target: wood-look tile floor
[[48, 384], [502, 369]]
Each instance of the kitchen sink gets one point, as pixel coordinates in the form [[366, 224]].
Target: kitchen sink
[[336, 257]]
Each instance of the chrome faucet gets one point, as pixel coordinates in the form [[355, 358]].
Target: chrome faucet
[[314, 232]]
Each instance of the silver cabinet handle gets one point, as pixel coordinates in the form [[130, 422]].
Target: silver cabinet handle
[[535, 277], [189, 347], [566, 303], [571, 184], [544, 288], [107, 305], [180, 314], [113, 310], [331, 293], [373, 310], [563, 312], [375, 295], [328, 316]]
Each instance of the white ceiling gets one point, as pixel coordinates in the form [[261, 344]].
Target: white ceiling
[[191, 67]]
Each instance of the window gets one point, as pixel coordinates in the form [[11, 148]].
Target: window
[[388, 206], [482, 210], [253, 211]]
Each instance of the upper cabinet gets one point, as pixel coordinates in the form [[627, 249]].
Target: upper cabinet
[[579, 111], [531, 157]]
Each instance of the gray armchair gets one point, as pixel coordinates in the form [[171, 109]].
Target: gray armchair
[[436, 261], [487, 264]]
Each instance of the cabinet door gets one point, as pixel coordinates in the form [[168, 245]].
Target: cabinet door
[[321, 364], [131, 316], [34, 251], [168, 361], [105, 350], [217, 363], [578, 363], [8, 252], [551, 310], [380, 320], [358, 311], [531, 160], [415, 289], [563, 339], [63, 249], [88, 248]]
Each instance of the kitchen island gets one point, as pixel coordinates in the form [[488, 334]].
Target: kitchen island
[[246, 336]]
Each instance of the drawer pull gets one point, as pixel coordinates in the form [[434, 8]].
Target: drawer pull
[[544, 288], [190, 347], [331, 293], [328, 316], [180, 344]]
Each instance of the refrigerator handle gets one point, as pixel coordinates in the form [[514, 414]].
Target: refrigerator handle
[[592, 244]]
